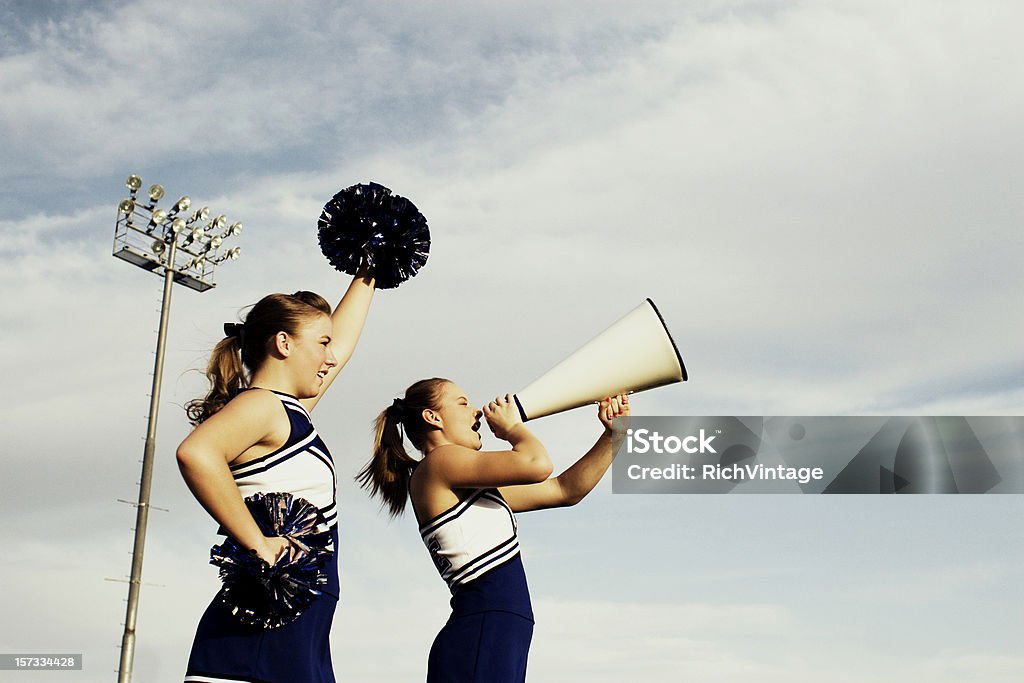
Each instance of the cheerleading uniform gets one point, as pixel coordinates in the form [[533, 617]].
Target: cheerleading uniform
[[476, 549], [225, 649]]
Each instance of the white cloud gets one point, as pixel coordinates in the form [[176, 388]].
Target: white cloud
[[958, 666], [818, 196]]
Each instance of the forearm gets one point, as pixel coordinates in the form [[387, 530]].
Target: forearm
[[350, 316], [581, 478]]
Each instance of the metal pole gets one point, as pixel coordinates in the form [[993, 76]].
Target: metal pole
[[124, 674]]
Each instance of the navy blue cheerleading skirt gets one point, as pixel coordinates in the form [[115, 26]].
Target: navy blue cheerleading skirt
[[487, 638], [226, 650]]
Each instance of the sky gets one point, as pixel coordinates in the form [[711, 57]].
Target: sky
[[823, 199]]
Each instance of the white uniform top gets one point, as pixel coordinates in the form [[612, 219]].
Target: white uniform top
[[302, 466], [471, 538]]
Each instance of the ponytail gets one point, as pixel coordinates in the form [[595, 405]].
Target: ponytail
[[389, 471], [227, 378]]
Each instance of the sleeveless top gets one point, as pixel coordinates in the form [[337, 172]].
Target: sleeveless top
[[473, 537], [302, 467]]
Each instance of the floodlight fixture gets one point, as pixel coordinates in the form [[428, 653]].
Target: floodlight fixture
[[200, 215], [156, 219], [231, 254]]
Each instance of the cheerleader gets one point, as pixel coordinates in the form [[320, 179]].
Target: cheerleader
[[465, 502], [253, 434]]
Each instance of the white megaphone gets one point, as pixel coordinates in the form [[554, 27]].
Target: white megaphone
[[634, 354]]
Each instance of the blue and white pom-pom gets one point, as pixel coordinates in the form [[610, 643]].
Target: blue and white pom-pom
[[367, 225], [269, 596]]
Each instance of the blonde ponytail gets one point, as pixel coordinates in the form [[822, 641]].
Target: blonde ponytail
[[227, 377]]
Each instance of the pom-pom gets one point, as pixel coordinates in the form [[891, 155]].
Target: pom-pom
[[267, 595], [367, 225]]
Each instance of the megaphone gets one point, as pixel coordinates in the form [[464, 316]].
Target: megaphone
[[634, 354]]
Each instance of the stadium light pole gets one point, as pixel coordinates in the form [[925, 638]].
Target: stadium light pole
[[181, 248]]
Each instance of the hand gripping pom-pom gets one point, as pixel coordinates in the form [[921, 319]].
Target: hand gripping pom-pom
[[269, 596], [367, 225]]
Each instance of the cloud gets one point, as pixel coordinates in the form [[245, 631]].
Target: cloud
[[819, 198], [954, 666]]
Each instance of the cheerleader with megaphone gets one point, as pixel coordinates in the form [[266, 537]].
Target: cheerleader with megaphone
[[465, 502]]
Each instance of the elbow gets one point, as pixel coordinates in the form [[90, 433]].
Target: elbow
[[544, 465], [572, 498], [568, 494], [538, 469], [528, 465], [186, 458], [544, 470]]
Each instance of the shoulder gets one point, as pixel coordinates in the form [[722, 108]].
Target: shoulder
[[255, 399], [251, 407], [252, 417], [432, 468], [430, 490], [446, 456]]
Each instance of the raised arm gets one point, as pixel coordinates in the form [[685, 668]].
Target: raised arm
[[572, 485], [347, 325], [253, 420]]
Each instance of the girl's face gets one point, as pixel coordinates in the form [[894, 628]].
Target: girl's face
[[460, 420], [311, 355]]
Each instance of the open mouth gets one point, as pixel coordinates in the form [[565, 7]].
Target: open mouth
[[322, 374]]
